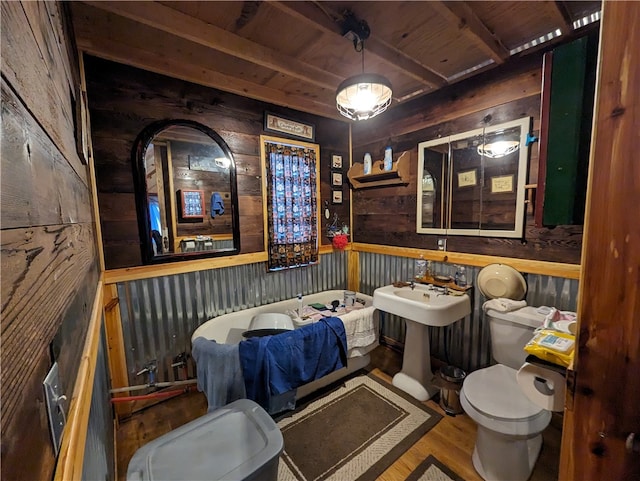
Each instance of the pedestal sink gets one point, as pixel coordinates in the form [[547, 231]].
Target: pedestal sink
[[421, 306]]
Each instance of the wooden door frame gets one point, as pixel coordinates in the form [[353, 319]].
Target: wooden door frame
[[602, 411]]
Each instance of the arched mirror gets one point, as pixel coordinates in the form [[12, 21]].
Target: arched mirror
[[186, 194]]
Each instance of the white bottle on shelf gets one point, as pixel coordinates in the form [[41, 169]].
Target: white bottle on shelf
[[388, 158], [367, 163]]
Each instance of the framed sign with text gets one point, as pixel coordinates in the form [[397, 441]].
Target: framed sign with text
[[283, 125]]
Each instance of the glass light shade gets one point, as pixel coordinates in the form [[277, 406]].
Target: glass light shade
[[363, 96], [223, 162], [498, 149]]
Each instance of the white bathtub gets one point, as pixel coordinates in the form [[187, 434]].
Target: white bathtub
[[228, 329]]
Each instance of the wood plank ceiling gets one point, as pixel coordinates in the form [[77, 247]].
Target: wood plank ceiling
[[295, 54]]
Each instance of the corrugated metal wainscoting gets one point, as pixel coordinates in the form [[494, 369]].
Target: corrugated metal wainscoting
[[98, 451], [465, 343], [160, 314]]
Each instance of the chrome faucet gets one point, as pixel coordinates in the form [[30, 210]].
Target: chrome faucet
[[440, 291], [149, 368]]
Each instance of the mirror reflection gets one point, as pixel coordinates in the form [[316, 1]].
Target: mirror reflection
[[473, 182], [435, 170], [187, 198]]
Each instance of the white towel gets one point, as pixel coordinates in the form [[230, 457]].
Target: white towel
[[219, 372], [361, 329], [503, 305]]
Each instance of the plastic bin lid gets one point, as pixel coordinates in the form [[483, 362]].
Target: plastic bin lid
[[232, 442]]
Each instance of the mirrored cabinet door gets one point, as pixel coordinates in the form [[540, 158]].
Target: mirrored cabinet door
[[473, 183], [433, 199], [504, 163], [466, 181]]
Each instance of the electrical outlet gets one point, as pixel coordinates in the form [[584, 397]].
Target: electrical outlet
[[442, 244], [55, 405]]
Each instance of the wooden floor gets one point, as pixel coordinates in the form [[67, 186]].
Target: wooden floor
[[451, 441]]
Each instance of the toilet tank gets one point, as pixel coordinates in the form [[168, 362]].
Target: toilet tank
[[510, 332]]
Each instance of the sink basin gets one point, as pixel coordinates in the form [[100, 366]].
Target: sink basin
[[422, 304]]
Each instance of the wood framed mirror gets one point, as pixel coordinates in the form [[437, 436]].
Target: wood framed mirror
[[186, 192]]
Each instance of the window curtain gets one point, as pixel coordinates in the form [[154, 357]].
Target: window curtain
[[291, 206]]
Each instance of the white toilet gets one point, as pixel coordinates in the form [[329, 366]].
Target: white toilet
[[509, 435]]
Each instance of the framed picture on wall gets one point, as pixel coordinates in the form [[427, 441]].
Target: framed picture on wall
[[191, 204], [502, 183], [337, 197], [336, 161], [336, 179], [468, 178]]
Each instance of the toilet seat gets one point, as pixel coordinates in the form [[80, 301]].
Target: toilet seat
[[493, 398]]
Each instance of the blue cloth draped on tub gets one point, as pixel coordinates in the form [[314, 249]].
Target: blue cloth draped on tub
[[219, 372], [274, 366]]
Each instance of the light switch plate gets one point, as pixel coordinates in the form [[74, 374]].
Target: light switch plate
[[55, 401]]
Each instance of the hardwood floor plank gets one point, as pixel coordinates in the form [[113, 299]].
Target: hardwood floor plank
[[451, 441]]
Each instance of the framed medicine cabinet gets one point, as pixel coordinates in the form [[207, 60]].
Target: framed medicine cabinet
[[473, 183]]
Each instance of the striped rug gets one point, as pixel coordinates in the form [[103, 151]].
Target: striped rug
[[353, 432]]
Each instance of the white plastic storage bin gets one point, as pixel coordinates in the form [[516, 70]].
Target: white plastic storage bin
[[239, 442]]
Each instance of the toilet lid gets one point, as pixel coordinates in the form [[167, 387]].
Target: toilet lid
[[495, 392]]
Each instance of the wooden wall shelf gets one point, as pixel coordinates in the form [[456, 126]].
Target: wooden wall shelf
[[398, 175]]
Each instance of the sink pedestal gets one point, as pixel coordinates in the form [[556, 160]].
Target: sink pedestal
[[421, 307], [415, 376]]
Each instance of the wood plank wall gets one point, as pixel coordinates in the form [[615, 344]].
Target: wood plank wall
[[123, 100], [388, 215], [48, 253], [601, 427]]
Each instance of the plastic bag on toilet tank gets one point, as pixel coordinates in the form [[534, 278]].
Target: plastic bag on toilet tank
[[553, 346]]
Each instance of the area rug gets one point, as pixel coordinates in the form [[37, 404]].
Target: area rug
[[353, 432], [433, 470]]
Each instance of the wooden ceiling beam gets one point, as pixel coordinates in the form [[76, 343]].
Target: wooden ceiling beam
[[321, 19], [559, 14], [160, 63], [195, 30], [460, 15]]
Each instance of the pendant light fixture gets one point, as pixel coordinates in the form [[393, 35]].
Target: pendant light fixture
[[366, 95]]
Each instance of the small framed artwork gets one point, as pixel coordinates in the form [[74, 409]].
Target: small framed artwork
[[467, 178], [191, 204], [500, 184], [336, 179], [336, 162], [337, 197]]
